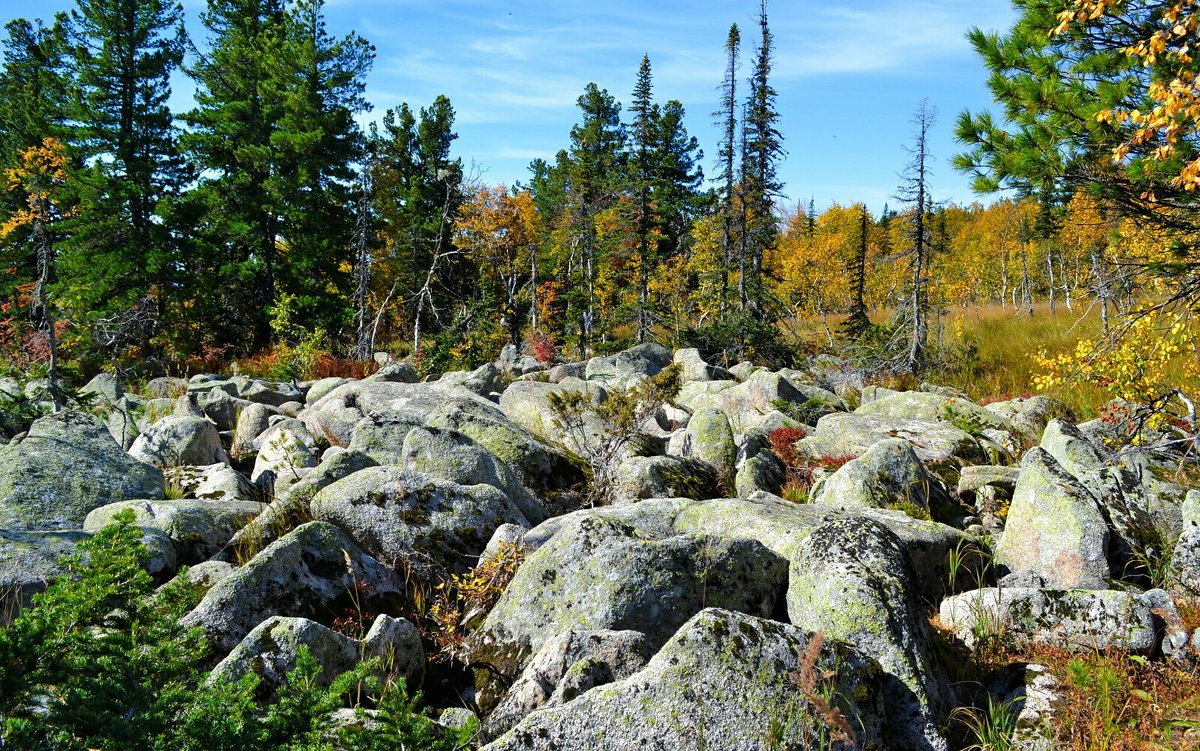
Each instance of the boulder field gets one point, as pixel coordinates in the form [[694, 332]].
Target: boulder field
[[784, 559]]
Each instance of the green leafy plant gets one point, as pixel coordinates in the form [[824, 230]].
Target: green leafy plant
[[990, 727], [603, 431]]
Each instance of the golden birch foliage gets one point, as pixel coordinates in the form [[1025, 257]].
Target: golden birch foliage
[[498, 229], [809, 270], [1156, 353], [39, 173], [1173, 91]]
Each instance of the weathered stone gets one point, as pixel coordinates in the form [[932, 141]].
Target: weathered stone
[[178, 441], [782, 525], [544, 469], [641, 477], [269, 651], [1029, 415], [396, 514], [312, 572], [888, 474], [285, 449], [165, 387], [711, 441], [976, 476], [1080, 620], [653, 519], [1073, 452], [105, 386], [397, 371], [627, 368], [764, 392], [692, 367], [724, 680], [381, 437], [1055, 527], [853, 433], [762, 472], [223, 409], [290, 508], [604, 656], [455, 456], [66, 466], [920, 405], [597, 573], [253, 421], [693, 395], [852, 581], [29, 561], [527, 403], [197, 529]]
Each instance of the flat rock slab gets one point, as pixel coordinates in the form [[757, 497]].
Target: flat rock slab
[[1080, 620], [68, 465], [725, 680]]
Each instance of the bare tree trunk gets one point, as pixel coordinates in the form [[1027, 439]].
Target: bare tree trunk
[[1050, 271], [45, 253]]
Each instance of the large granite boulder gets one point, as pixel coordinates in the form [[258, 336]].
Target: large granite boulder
[[314, 572], [197, 529], [215, 482], [852, 581], [399, 515], [640, 477], [724, 680], [1078, 620], [599, 573], [564, 668], [851, 434], [1055, 528], [269, 651], [66, 466], [889, 474], [179, 441]]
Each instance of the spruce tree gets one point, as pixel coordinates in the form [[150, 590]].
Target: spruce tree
[[641, 171], [763, 149], [727, 155], [857, 322], [595, 159], [915, 190], [120, 256], [229, 142]]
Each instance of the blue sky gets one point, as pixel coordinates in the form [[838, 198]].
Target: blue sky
[[849, 75]]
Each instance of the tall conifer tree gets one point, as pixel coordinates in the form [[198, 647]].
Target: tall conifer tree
[[763, 149]]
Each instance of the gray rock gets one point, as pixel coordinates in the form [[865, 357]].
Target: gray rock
[[977, 476], [66, 466], [527, 403], [744, 369], [598, 573], [285, 449], [652, 518], [693, 395], [598, 657], [395, 372], [215, 482], [249, 389], [761, 473], [106, 386], [290, 509], [485, 380], [224, 410], [544, 469], [177, 441], [852, 581], [764, 392], [336, 414], [197, 529], [396, 514], [567, 370], [381, 437], [641, 477], [1055, 527], [920, 405], [692, 367], [711, 441], [454, 456], [852, 434], [1029, 415], [1186, 556], [122, 420], [1073, 452], [253, 421], [782, 526], [270, 649], [321, 387], [312, 572], [29, 561], [707, 688], [627, 368], [888, 474], [165, 387], [186, 405], [1079, 620]]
